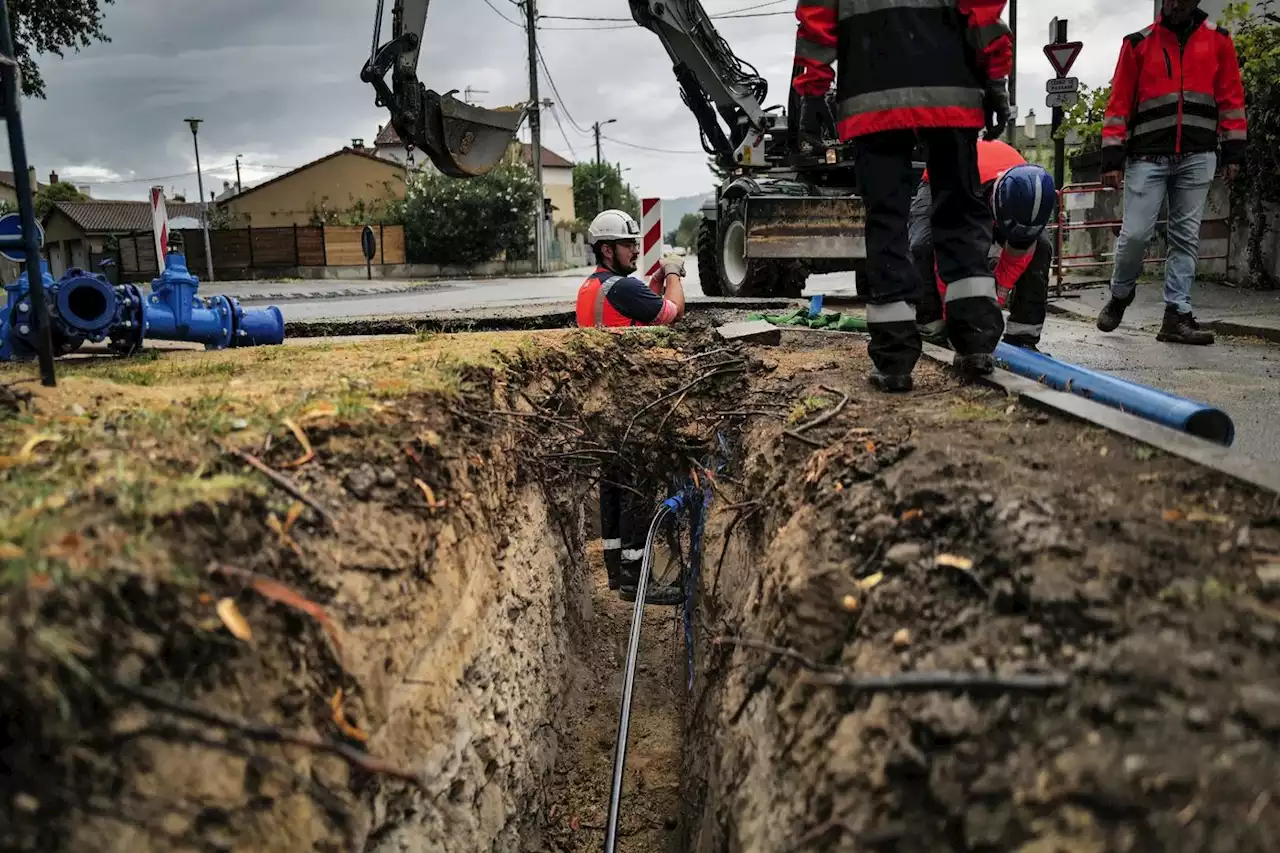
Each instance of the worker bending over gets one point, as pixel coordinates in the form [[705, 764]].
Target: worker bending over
[[908, 70], [612, 297], [1022, 199]]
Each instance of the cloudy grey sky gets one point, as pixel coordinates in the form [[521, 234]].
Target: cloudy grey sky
[[278, 82]]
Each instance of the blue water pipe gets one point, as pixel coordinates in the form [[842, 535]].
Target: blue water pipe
[[85, 306], [1189, 416]]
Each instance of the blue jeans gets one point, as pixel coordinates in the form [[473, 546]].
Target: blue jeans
[[1148, 181]]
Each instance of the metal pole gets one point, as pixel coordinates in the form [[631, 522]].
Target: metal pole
[[599, 174], [12, 95], [239, 186], [535, 129], [1059, 145], [204, 205], [1013, 70], [629, 680]]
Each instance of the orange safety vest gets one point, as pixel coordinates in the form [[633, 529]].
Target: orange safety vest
[[593, 307]]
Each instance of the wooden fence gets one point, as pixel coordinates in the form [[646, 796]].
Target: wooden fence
[[240, 252]]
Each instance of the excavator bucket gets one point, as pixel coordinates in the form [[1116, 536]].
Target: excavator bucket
[[462, 140]]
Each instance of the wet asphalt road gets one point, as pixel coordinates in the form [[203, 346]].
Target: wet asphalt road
[[1240, 376]]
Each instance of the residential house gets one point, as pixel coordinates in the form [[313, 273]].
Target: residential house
[[1035, 141], [318, 191], [557, 181], [557, 172], [75, 231], [9, 192]]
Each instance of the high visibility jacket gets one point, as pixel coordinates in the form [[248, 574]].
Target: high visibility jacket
[[1175, 93], [609, 300], [903, 64], [995, 157]]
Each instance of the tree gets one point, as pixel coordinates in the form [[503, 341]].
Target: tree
[[51, 194], [470, 220], [1256, 33], [50, 27], [1085, 117], [590, 180]]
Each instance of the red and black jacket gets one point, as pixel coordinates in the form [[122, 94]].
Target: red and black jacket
[[902, 65], [1175, 92]]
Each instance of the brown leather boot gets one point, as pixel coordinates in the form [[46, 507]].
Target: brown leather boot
[[1182, 328]]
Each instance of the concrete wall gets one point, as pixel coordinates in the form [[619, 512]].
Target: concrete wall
[[1095, 207], [334, 185]]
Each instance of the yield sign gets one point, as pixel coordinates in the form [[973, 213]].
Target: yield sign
[[1063, 56]]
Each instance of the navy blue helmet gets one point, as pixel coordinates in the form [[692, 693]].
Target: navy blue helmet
[[1023, 201]]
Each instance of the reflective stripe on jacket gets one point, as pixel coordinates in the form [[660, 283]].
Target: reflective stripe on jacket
[[903, 64], [593, 307], [1175, 95]]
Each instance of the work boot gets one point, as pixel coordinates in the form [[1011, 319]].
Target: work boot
[[1022, 343], [1113, 312], [654, 593], [975, 364], [891, 383], [1182, 328]]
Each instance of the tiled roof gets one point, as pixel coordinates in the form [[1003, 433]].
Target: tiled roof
[[387, 136], [363, 152], [6, 178], [550, 159], [96, 217]]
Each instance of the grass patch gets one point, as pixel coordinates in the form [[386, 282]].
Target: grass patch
[[805, 408], [133, 444], [970, 412]]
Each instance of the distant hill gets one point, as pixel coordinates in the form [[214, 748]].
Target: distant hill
[[673, 209]]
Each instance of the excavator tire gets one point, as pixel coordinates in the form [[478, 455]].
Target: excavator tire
[[708, 269], [741, 276]]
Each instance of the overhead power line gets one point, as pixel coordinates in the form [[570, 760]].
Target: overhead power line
[[498, 12], [655, 150], [556, 91]]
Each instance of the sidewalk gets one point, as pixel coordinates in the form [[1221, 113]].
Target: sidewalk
[[306, 290], [1218, 307]]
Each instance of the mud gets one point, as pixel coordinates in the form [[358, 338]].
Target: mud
[[436, 663], [993, 539]]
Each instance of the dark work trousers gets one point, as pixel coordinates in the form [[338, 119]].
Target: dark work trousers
[[1031, 291], [961, 226], [624, 527]]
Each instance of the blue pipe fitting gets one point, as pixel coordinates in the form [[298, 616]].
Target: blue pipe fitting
[[1189, 416], [85, 306]]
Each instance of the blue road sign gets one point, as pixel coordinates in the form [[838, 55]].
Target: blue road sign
[[11, 227]]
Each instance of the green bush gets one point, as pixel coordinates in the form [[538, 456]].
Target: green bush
[[470, 220], [1256, 31]]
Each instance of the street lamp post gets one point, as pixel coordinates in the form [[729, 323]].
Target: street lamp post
[[204, 204]]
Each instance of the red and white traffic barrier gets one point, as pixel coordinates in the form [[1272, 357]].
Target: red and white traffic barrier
[[651, 231], [159, 224]]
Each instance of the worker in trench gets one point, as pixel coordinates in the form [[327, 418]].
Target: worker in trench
[[613, 298], [1022, 199], [909, 71]]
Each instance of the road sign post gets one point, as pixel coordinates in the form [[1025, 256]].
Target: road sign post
[[369, 244], [1063, 91]]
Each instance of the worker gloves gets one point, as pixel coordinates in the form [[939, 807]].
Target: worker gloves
[[672, 264], [995, 107]]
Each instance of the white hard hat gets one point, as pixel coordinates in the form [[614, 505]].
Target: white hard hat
[[613, 225]]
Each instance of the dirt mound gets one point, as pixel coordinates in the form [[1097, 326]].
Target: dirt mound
[[960, 534], [342, 597]]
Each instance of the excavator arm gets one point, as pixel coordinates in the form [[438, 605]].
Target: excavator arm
[[725, 94], [462, 140]]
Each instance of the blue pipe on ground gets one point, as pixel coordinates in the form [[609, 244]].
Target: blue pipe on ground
[[84, 306], [1189, 416]]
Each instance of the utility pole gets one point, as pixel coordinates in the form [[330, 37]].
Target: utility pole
[[239, 187], [535, 130], [599, 172], [1013, 71], [204, 205]]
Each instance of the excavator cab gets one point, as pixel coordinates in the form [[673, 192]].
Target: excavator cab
[[462, 140]]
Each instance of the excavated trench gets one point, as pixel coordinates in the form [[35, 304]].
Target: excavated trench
[[1098, 621]]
